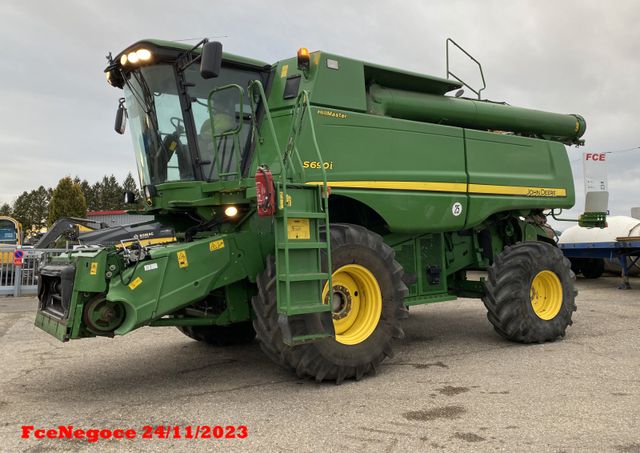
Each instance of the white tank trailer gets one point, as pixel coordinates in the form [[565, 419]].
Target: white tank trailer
[[617, 226]]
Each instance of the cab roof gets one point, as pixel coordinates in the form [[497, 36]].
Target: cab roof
[[171, 49]]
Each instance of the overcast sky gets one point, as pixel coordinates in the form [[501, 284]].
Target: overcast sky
[[57, 111]]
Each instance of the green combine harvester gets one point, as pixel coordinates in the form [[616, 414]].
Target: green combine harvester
[[316, 199]]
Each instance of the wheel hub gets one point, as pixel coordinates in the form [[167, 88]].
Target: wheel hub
[[340, 302], [546, 295], [356, 303], [103, 316]]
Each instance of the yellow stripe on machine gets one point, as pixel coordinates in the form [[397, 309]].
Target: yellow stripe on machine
[[145, 242], [399, 185], [517, 190], [456, 187]]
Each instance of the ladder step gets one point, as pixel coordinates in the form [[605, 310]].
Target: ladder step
[[305, 215], [310, 276], [311, 307], [302, 339], [296, 245]]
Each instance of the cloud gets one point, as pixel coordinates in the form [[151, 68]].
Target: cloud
[[9, 141]]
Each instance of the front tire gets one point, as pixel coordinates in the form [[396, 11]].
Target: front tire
[[529, 294], [368, 304]]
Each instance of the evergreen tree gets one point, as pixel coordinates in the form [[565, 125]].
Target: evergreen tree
[[22, 211], [31, 209], [96, 196], [67, 201], [41, 198], [129, 185], [89, 195], [110, 194]]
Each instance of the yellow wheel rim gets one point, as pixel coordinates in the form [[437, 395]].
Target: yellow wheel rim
[[356, 303], [546, 295]]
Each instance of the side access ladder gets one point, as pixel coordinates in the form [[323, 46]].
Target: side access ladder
[[303, 253]]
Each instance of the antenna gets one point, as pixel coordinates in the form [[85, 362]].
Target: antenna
[[199, 38]]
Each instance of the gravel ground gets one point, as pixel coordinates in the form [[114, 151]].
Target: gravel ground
[[453, 385]]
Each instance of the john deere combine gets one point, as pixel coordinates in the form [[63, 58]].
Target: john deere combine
[[313, 201]]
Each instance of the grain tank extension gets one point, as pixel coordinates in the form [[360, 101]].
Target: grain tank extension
[[312, 201]]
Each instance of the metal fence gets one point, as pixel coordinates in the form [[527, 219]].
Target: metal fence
[[22, 280]]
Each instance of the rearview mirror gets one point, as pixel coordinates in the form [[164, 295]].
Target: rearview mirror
[[129, 197], [121, 118], [211, 60]]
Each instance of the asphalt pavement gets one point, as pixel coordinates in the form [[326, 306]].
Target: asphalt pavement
[[453, 385]]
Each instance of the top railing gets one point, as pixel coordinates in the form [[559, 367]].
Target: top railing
[[451, 73], [301, 107]]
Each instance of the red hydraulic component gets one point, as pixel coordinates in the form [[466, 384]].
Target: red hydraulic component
[[265, 191]]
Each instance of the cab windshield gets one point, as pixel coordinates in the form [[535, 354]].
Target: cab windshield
[[171, 147]]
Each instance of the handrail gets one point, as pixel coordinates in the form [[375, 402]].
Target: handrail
[[304, 97], [450, 73], [263, 98], [302, 104], [294, 132]]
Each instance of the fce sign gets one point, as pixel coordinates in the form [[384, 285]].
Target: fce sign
[[595, 172], [595, 157]]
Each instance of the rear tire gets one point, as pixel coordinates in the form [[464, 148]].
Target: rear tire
[[530, 295], [576, 265], [592, 268], [231, 335], [330, 358]]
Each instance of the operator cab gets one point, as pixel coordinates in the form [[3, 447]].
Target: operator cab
[[186, 127], [10, 231]]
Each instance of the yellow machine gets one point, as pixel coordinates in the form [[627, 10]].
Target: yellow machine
[[10, 237]]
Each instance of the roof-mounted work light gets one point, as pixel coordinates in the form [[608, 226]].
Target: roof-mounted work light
[[137, 56]]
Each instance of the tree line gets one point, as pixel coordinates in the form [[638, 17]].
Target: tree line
[[70, 198]]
